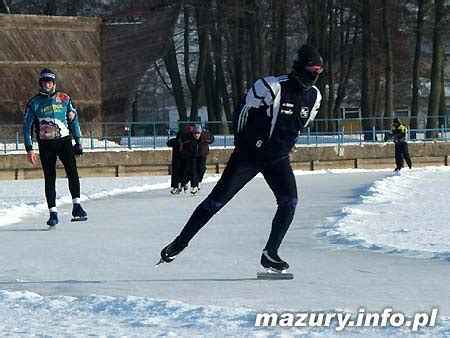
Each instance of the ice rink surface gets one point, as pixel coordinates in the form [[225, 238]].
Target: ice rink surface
[[114, 252]]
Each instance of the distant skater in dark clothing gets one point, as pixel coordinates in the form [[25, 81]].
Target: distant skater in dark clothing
[[398, 135], [266, 125], [178, 179], [197, 150]]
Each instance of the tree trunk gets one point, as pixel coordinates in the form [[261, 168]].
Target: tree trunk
[[346, 63], [210, 92], [389, 89], [222, 98], [73, 7], [376, 101], [238, 64], [278, 54], [416, 69], [4, 8], [170, 61], [201, 15], [331, 46], [50, 7], [436, 69], [442, 102], [254, 57], [366, 89]]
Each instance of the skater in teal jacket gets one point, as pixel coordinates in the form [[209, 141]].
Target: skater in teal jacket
[[55, 121]]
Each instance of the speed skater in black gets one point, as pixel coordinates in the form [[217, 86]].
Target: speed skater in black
[[266, 125]]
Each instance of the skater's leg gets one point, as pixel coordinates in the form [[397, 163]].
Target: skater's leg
[[176, 175], [187, 167], [47, 155], [67, 157], [201, 168], [406, 155], [194, 172], [281, 180], [238, 172], [398, 156]]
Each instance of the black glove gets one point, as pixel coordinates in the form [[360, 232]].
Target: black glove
[[78, 149]]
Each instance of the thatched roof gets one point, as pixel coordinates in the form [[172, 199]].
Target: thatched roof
[[70, 46], [99, 62]]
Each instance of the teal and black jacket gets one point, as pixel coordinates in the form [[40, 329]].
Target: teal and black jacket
[[49, 114]]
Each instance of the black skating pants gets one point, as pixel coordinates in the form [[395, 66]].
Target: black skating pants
[[401, 152], [178, 169], [196, 170], [49, 151], [238, 172]]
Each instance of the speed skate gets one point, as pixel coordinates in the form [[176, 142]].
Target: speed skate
[[274, 274]]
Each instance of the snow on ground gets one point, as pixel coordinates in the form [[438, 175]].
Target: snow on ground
[[27, 313], [24, 198], [405, 214]]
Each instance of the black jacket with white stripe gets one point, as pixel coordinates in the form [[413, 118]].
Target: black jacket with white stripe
[[275, 109]]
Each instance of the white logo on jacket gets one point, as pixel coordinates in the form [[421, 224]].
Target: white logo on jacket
[[304, 112]]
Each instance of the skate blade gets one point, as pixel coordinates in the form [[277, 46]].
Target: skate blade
[[274, 275], [159, 262], [78, 219], [51, 227]]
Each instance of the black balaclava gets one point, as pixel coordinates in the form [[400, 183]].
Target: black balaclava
[[307, 66]]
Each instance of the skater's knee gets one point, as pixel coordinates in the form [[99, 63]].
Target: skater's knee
[[211, 205], [287, 201]]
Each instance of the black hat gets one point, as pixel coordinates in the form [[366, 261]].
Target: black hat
[[396, 120], [47, 75], [307, 55]]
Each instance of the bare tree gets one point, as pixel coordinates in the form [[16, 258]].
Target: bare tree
[[416, 67], [201, 16], [4, 8], [50, 7], [389, 87], [171, 63], [366, 80], [278, 42], [436, 69]]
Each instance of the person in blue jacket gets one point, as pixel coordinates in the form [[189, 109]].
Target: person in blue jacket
[[56, 121], [266, 125]]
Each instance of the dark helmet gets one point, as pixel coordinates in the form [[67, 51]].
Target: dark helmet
[[307, 66], [47, 75], [396, 121]]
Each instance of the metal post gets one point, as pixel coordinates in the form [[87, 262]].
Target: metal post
[[129, 135], [4, 138], [154, 135], [374, 135], [17, 140], [106, 136]]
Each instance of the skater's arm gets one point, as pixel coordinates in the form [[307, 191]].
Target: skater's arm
[[72, 115], [263, 93], [315, 108], [27, 125]]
